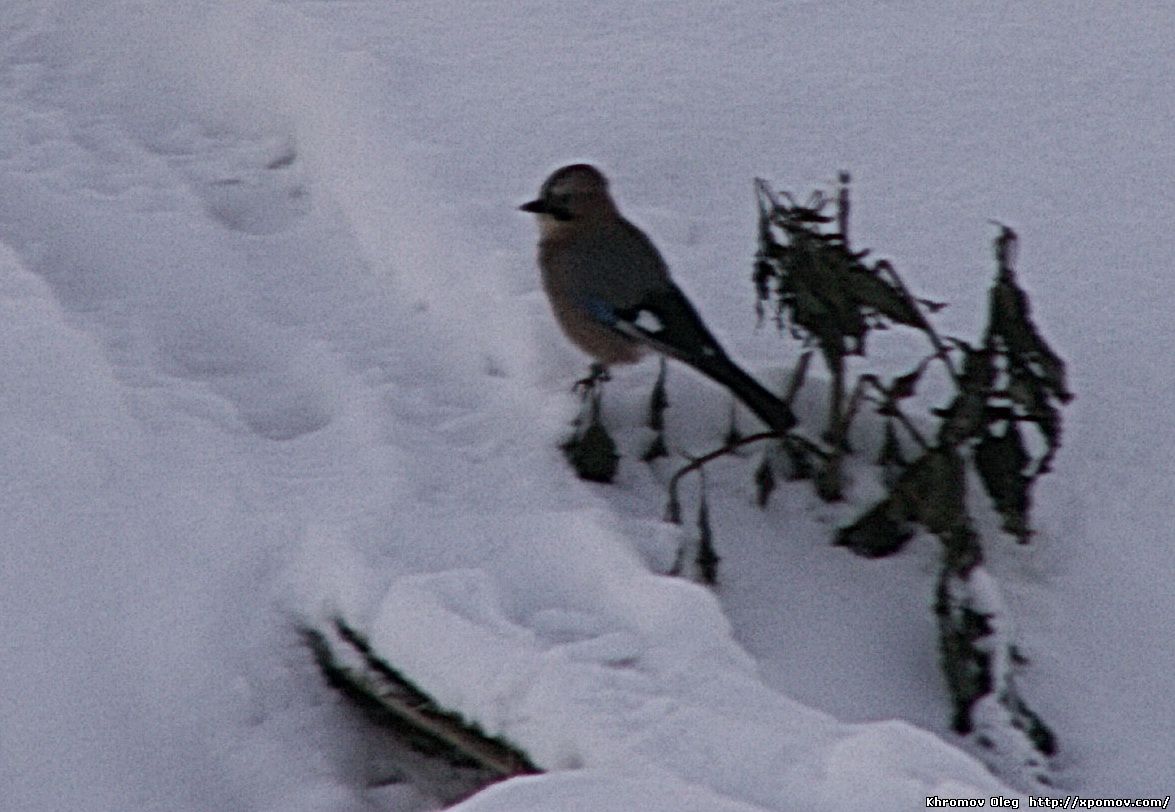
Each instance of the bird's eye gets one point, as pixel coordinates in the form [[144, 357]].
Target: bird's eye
[[557, 207]]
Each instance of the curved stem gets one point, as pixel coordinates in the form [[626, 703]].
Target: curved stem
[[940, 346], [697, 462]]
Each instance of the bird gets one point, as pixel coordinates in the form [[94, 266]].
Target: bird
[[613, 297]]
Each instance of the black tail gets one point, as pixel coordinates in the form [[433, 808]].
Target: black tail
[[678, 331], [770, 409]]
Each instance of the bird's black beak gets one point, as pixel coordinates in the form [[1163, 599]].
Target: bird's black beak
[[535, 207]]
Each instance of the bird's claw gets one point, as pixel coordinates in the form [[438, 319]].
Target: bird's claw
[[598, 374]]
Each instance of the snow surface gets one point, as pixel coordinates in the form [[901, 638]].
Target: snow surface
[[274, 349]]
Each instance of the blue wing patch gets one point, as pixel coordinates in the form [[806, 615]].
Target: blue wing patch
[[601, 311]]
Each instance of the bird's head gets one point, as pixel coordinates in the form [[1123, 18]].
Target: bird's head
[[570, 197]]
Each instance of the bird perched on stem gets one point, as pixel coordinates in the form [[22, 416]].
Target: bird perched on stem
[[612, 294]]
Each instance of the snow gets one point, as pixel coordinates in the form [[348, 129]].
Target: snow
[[274, 349]]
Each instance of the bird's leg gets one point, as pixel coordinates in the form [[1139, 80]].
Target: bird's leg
[[591, 450], [658, 402], [590, 391], [597, 375]]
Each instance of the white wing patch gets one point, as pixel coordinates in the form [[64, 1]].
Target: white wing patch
[[648, 322]]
